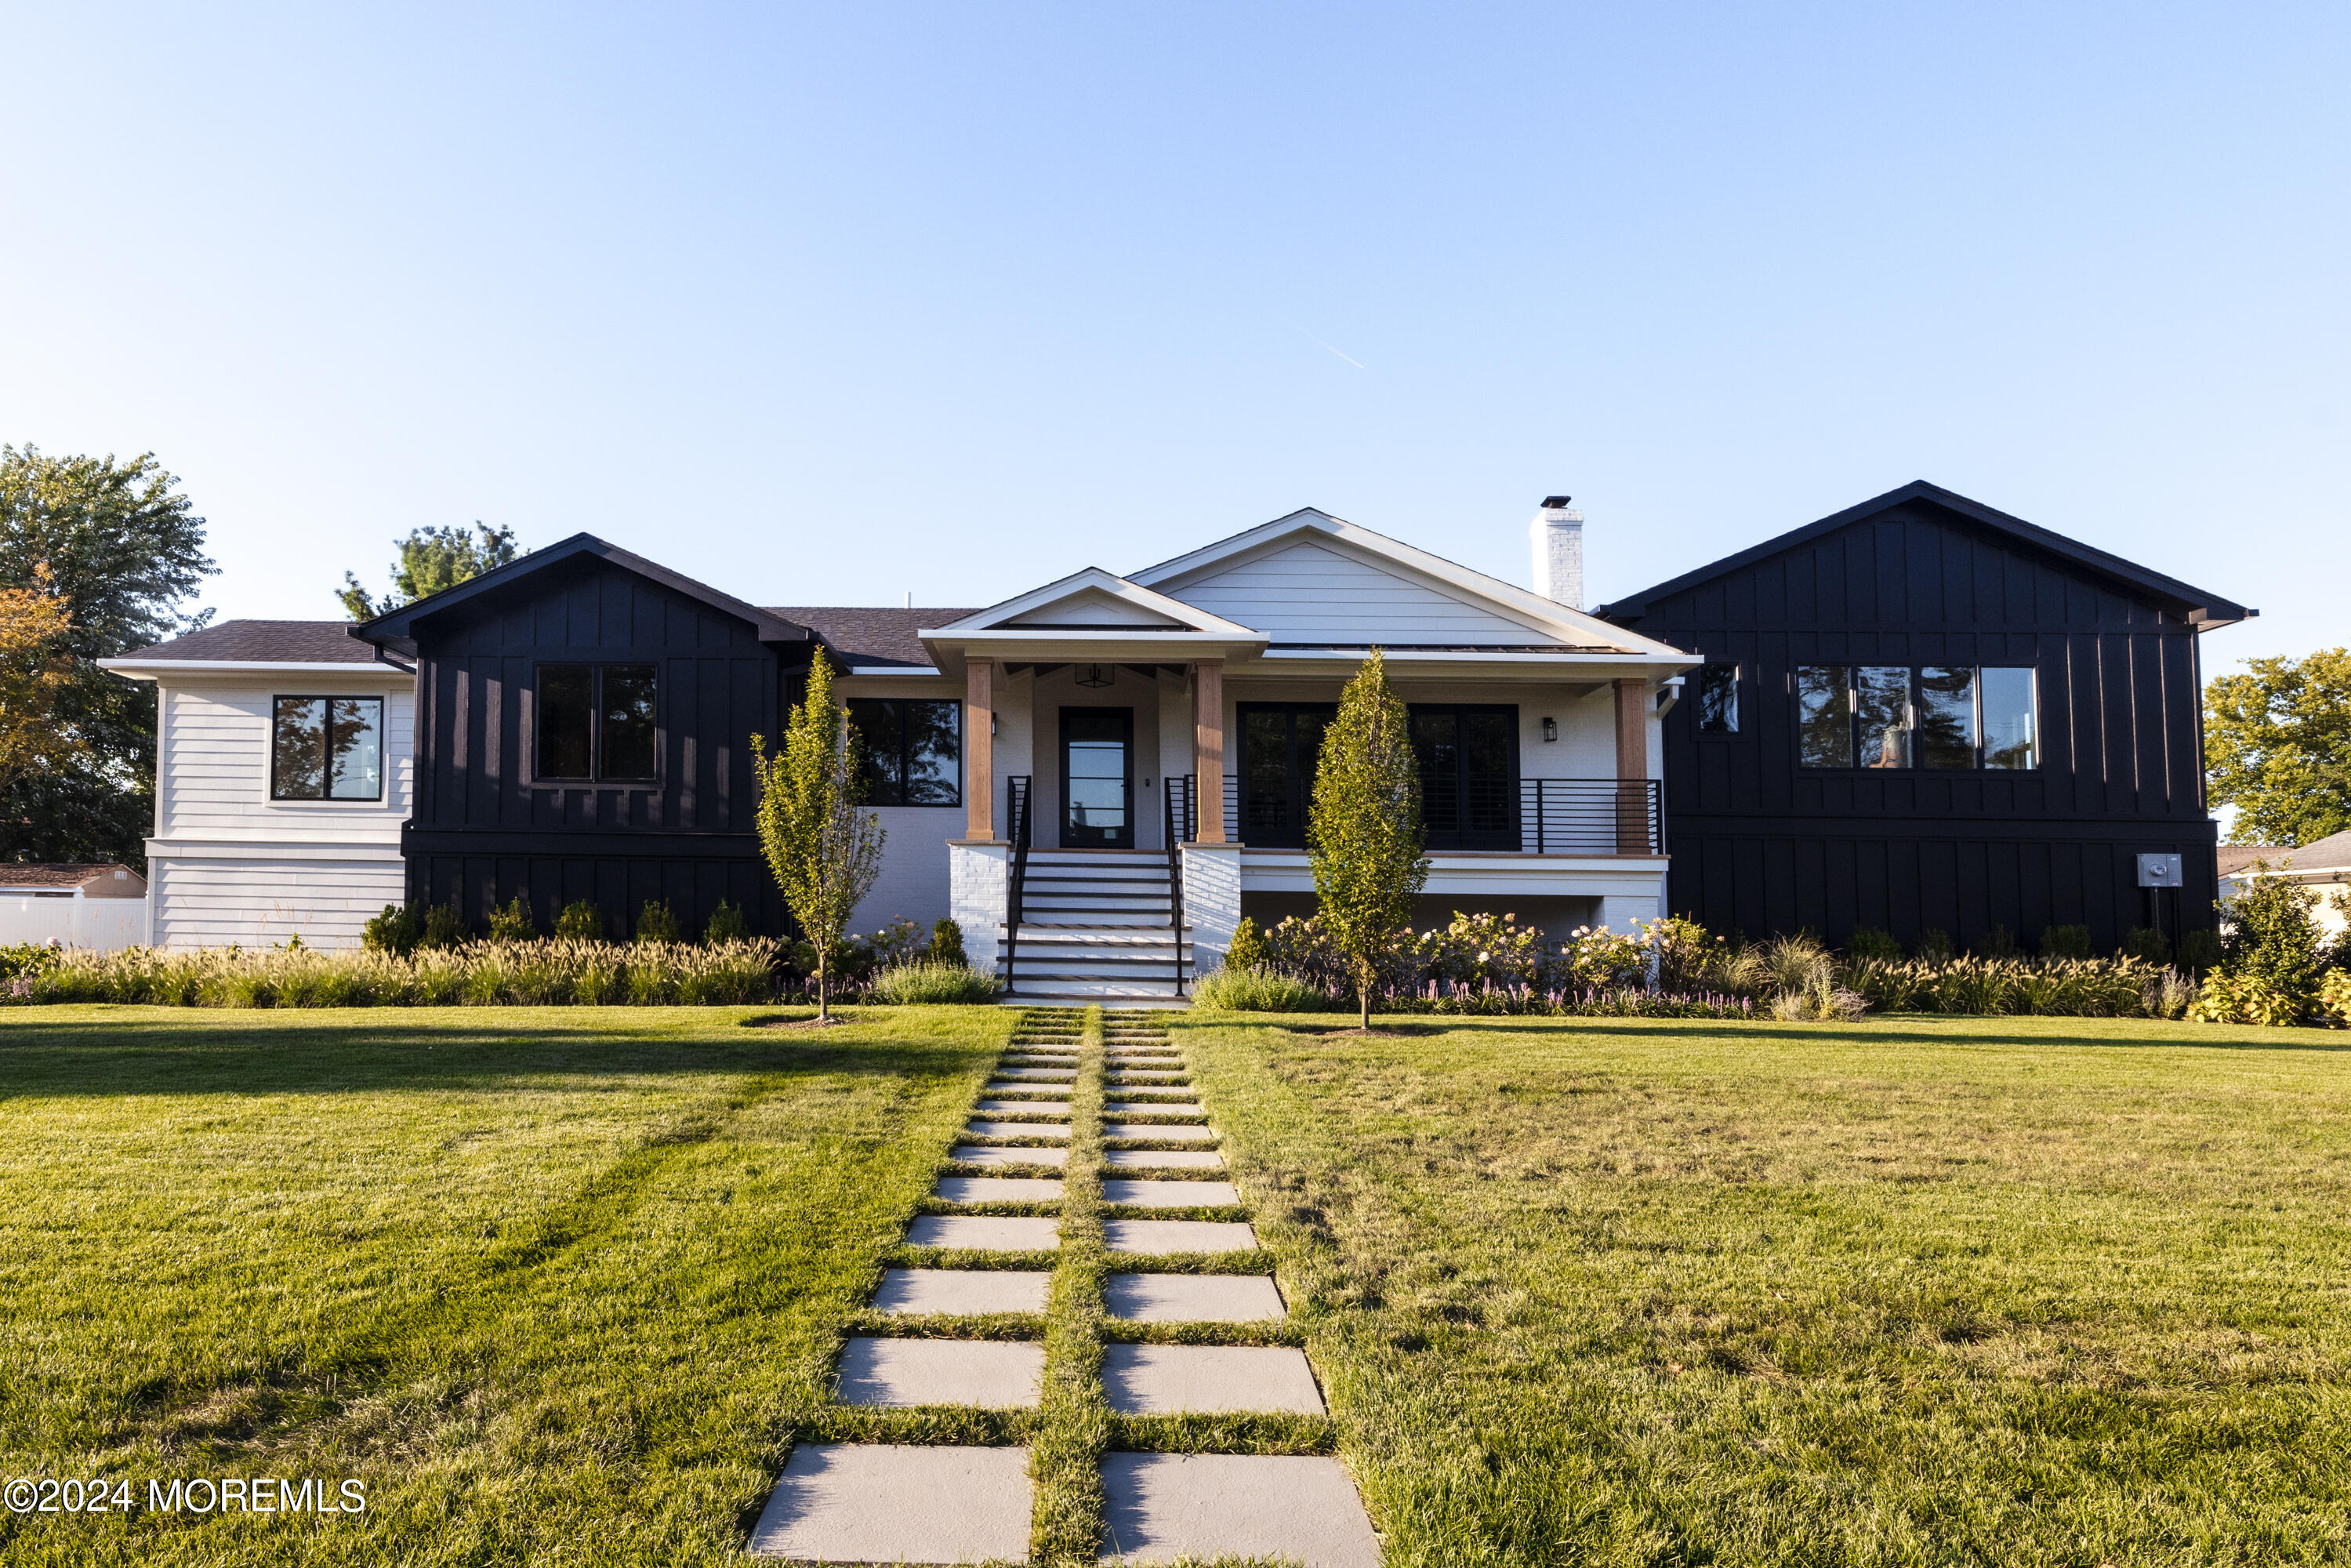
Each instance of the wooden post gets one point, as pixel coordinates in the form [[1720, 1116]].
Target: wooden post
[[1633, 768], [1209, 745], [979, 749]]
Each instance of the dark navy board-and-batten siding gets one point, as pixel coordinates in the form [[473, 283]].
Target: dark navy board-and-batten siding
[[1762, 845], [486, 827]]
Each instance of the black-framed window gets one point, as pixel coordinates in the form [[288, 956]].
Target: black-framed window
[[910, 748], [1469, 757], [1718, 699], [599, 723], [326, 748], [1280, 745], [1940, 717]]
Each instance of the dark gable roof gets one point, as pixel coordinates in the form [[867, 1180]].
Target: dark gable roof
[[265, 642], [397, 628], [864, 636], [2190, 603]]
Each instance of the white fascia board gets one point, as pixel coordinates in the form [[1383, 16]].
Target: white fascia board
[[1512, 666], [1518, 603], [160, 669], [1045, 646], [1094, 577]]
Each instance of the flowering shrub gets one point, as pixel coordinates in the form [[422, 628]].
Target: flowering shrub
[[2244, 998]]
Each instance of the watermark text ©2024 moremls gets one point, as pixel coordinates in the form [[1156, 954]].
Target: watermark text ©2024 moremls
[[194, 1495]]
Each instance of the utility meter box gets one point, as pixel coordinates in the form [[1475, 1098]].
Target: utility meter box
[[2159, 870]]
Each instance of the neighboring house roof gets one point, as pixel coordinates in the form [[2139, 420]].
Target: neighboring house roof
[[869, 634], [258, 643], [397, 628], [2331, 853], [2200, 608], [98, 878]]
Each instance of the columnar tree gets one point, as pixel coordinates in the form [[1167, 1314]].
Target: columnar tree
[[823, 851], [1364, 833]]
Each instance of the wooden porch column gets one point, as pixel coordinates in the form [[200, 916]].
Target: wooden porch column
[[979, 749], [1209, 745], [1631, 767]]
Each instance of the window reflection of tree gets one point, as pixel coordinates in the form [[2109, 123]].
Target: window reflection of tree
[[300, 748]]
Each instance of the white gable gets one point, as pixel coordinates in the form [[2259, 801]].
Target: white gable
[[1092, 607], [1306, 592]]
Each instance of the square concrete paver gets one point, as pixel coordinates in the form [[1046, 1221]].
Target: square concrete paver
[[985, 1232], [1193, 1298], [1162, 1506], [1159, 1159], [1163, 1131], [995, 1375], [983, 1128], [1177, 1236], [967, 1292], [873, 1503], [999, 1189], [1169, 1194], [1205, 1379], [976, 1155]]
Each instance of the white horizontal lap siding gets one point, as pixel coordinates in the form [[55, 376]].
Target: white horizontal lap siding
[[213, 763], [1306, 593], [258, 900]]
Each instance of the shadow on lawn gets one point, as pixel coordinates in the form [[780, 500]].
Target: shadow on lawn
[[296, 1052], [1912, 1029]]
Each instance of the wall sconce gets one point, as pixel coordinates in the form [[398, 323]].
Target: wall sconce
[[1550, 729], [1096, 676], [991, 724]]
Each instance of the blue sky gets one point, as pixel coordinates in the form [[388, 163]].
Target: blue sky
[[836, 305]]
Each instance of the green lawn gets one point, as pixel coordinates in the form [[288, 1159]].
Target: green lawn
[[1919, 1290], [561, 1285], [558, 1284]]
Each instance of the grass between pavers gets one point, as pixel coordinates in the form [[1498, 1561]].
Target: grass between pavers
[[556, 1283], [1914, 1291]]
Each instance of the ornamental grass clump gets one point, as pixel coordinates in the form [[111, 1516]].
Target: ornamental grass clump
[[545, 971], [1259, 990], [931, 981]]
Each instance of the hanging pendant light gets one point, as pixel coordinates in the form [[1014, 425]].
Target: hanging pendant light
[[1096, 676]]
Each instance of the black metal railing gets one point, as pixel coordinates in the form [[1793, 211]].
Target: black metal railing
[[1175, 798], [1592, 816], [1016, 830]]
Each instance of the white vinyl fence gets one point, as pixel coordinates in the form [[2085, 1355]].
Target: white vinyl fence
[[103, 922]]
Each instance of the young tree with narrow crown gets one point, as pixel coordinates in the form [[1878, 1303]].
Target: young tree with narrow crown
[[1364, 832], [823, 851]]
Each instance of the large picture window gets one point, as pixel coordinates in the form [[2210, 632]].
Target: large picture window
[[911, 749], [1469, 760], [598, 723], [326, 748], [1280, 743], [1949, 716]]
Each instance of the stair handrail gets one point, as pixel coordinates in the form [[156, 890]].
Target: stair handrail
[[1177, 800], [1015, 829]]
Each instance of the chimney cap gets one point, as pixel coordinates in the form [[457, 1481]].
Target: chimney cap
[[1552, 503]]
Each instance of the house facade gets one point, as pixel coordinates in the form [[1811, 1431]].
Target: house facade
[[1922, 714], [1919, 714], [1096, 780]]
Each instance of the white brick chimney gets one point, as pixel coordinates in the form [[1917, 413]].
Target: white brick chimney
[[1558, 535]]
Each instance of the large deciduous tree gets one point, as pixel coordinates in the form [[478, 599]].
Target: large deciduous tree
[[2277, 746], [430, 560], [34, 673], [1364, 833], [823, 851], [122, 549]]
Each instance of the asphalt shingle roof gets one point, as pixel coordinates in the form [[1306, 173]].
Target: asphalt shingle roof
[[870, 635], [265, 642]]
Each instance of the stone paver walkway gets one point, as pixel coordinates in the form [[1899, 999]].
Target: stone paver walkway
[[1148, 1148]]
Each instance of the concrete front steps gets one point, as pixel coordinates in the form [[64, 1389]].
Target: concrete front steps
[[1098, 925]]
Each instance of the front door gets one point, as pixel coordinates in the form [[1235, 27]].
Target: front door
[[1097, 777]]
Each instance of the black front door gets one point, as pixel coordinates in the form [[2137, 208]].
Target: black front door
[[1280, 743], [1468, 760], [1097, 777]]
